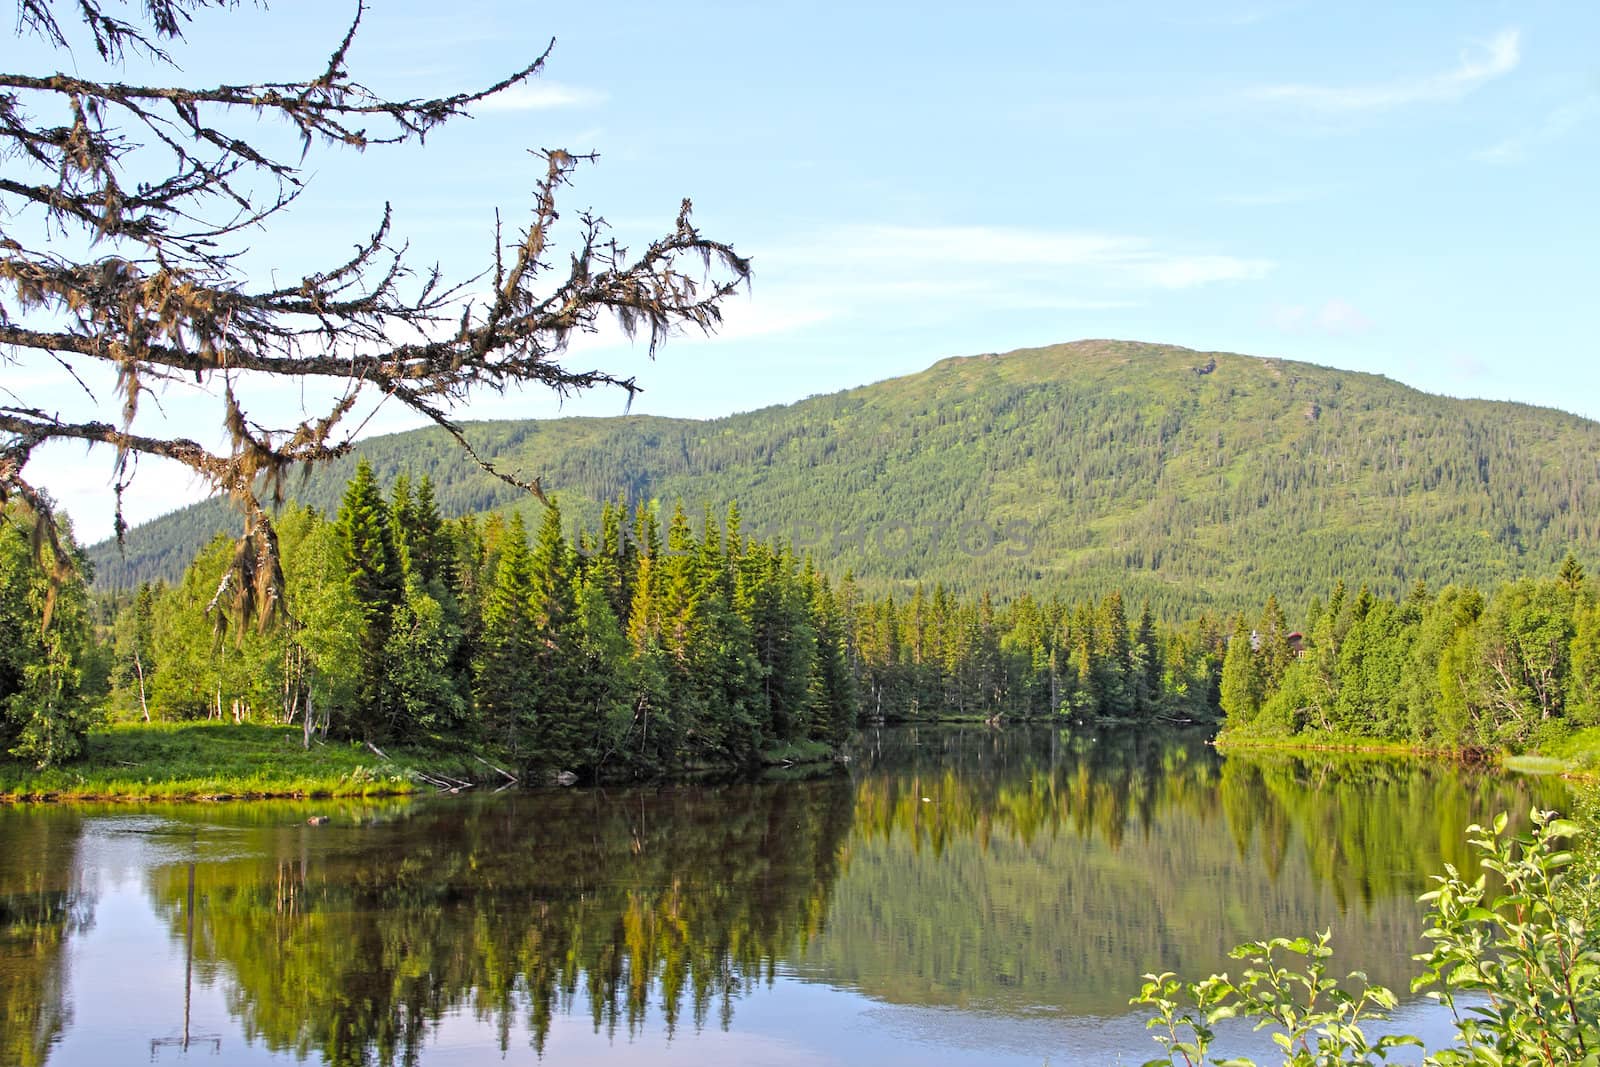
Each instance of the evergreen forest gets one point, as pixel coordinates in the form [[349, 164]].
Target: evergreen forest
[[650, 645], [635, 635]]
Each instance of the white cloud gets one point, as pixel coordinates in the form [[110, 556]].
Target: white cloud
[[1340, 317], [940, 255], [1556, 125], [540, 96], [1183, 272], [1492, 59], [759, 316], [1335, 317]]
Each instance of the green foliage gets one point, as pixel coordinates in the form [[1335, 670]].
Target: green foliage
[[188, 760], [44, 642], [1518, 965], [1531, 947], [1518, 669], [377, 581], [1241, 677], [505, 671], [404, 628], [1313, 1019]]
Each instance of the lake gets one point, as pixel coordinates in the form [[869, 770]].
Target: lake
[[951, 896]]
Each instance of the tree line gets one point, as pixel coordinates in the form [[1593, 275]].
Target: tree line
[[1516, 668], [655, 644], [644, 647], [650, 645]]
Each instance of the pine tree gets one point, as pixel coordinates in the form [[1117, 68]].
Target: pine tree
[[1571, 574], [505, 670], [1241, 690], [649, 738], [377, 581], [1148, 668], [560, 729], [603, 566], [834, 703], [402, 518], [1112, 658], [1272, 652], [602, 658], [427, 542]]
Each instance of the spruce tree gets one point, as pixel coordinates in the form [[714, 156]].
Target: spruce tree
[[1112, 652], [1241, 692], [427, 542], [834, 693], [505, 670], [378, 584], [1148, 667], [559, 731], [1571, 575]]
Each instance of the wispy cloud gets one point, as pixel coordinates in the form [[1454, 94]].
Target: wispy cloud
[[920, 252], [1482, 63], [765, 315], [1335, 317], [540, 96], [1469, 366], [1556, 125]]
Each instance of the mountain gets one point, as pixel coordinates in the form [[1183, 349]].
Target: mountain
[[1198, 480]]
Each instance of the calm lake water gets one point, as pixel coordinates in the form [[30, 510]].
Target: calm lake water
[[957, 896]]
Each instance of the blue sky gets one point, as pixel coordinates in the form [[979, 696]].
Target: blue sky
[[1406, 189]]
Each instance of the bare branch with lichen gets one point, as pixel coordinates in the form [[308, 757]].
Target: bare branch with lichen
[[163, 303]]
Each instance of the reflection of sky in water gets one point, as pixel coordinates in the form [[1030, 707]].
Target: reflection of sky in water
[[126, 980], [795, 1024], [127, 973], [124, 972]]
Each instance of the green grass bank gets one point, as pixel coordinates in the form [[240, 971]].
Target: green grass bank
[[227, 761]]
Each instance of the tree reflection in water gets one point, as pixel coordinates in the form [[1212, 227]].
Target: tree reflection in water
[[42, 904], [353, 941], [1024, 873], [1014, 873]]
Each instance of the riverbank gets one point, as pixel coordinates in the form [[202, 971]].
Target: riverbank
[[218, 761], [1576, 756], [228, 761]]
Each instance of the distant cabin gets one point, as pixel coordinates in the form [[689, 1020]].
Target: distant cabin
[[1295, 640]]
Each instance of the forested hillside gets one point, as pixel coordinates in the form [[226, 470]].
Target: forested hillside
[[1198, 481]]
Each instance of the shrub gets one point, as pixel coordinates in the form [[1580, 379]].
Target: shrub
[[1517, 965]]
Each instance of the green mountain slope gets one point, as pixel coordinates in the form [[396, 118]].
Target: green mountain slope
[[1195, 479]]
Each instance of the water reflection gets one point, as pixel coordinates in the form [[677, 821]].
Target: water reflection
[[352, 940], [974, 874], [42, 904], [988, 873]]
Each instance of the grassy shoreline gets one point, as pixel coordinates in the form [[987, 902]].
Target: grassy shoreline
[[215, 761], [1577, 757], [211, 761]]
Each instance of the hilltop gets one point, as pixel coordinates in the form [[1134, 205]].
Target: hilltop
[[1199, 480]]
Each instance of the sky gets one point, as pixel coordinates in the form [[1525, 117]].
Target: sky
[[1403, 189]]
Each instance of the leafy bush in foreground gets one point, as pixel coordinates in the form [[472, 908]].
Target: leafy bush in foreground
[[1518, 967]]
